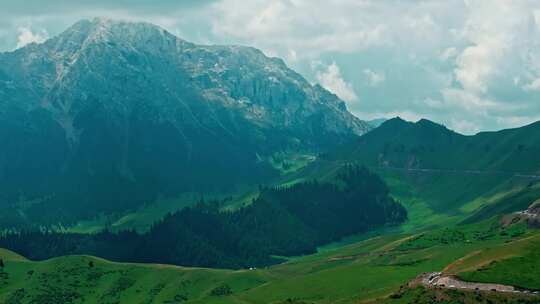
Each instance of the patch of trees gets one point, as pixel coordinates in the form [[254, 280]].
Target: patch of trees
[[282, 221], [221, 290]]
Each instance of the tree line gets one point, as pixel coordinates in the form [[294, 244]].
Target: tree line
[[282, 221]]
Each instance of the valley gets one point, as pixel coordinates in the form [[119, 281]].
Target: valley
[[110, 115], [365, 271], [137, 167], [463, 234]]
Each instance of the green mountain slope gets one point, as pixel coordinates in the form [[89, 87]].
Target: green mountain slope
[[370, 270], [111, 115], [427, 145], [282, 221], [443, 177]]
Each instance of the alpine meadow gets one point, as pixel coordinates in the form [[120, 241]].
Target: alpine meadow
[[269, 152]]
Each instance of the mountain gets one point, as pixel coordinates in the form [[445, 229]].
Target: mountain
[[376, 122], [108, 115], [428, 145], [284, 221], [441, 175]]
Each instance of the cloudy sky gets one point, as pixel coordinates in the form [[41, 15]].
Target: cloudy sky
[[472, 65]]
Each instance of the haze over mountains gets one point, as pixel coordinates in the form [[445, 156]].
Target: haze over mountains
[[109, 114]]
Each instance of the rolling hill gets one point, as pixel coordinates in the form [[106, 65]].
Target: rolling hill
[[372, 271], [282, 221]]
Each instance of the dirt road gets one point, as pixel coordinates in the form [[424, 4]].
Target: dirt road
[[440, 280]]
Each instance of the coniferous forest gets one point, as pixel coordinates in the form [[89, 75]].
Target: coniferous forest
[[282, 221]]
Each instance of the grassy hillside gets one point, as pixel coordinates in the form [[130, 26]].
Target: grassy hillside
[[206, 236], [421, 295], [454, 187], [142, 218], [365, 271], [519, 267], [442, 177], [427, 145], [514, 263], [435, 199]]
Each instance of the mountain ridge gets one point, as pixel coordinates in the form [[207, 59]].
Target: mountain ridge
[[429, 141], [105, 33], [454, 177], [109, 108]]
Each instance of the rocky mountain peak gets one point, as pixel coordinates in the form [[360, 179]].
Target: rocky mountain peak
[[105, 29], [113, 104]]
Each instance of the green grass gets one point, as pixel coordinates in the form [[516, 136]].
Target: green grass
[[438, 199], [421, 295], [432, 199], [521, 270], [142, 218], [360, 268], [11, 256], [288, 163], [362, 271], [421, 215], [518, 198], [73, 280], [482, 231], [441, 199]]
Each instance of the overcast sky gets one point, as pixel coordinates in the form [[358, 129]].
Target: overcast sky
[[471, 65]]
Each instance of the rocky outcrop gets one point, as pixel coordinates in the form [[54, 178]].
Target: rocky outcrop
[[440, 280], [531, 216]]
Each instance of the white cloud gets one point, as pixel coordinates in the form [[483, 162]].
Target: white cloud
[[477, 63], [464, 126], [441, 59], [513, 121], [292, 56], [489, 40], [492, 59], [498, 50], [26, 36], [449, 53], [433, 103], [465, 100], [533, 86], [374, 78], [312, 27], [330, 78]]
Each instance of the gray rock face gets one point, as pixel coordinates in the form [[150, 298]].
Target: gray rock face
[[110, 106]]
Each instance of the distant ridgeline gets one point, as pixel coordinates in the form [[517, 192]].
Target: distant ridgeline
[[473, 177], [280, 222]]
